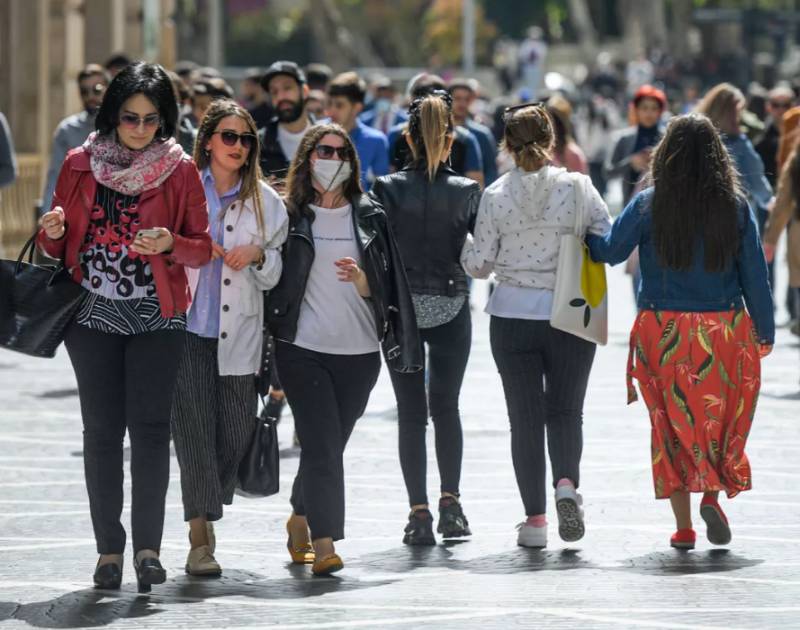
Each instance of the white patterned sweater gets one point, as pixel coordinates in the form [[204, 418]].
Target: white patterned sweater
[[521, 219]]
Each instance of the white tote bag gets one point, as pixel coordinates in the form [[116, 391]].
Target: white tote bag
[[580, 297]]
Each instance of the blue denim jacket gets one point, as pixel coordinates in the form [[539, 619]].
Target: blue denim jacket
[[695, 290], [751, 170]]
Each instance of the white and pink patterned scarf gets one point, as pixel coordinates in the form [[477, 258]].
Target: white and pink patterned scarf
[[131, 172]]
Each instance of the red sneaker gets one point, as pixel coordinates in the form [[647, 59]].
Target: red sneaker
[[683, 539], [717, 529]]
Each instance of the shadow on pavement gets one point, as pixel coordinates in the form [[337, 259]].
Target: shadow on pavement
[[665, 563], [90, 608], [440, 557], [80, 609]]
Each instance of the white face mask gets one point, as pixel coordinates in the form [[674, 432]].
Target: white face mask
[[330, 174]]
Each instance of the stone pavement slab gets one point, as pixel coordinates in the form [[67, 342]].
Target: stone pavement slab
[[621, 575]]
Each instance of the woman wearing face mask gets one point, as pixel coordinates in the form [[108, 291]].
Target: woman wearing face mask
[[215, 399], [431, 234], [127, 338], [342, 296]]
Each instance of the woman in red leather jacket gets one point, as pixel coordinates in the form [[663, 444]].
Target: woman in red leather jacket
[[128, 214]]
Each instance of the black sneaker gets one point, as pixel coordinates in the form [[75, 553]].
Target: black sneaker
[[419, 530], [452, 522], [274, 408]]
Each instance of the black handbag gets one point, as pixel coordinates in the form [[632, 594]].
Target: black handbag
[[37, 303], [259, 470]]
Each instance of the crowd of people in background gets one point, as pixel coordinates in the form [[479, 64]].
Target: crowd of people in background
[[359, 208]]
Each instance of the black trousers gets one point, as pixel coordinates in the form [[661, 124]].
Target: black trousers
[[327, 394], [545, 373], [213, 419], [448, 351], [125, 381]]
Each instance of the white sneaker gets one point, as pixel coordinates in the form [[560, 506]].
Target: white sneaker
[[530, 536], [570, 514]]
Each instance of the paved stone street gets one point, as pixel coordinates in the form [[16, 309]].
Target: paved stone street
[[622, 574]]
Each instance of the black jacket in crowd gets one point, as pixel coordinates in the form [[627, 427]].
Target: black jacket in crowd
[[430, 221], [390, 297]]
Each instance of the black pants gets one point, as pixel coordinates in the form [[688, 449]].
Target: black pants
[[327, 394], [213, 419], [448, 351], [544, 372], [125, 381]]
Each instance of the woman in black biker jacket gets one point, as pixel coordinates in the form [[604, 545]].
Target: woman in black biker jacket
[[342, 297], [431, 210]]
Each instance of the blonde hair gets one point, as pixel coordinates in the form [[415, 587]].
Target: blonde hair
[[250, 172], [430, 127], [529, 137], [721, 105]]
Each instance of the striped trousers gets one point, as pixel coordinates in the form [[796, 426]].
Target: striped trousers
[[213, 419]]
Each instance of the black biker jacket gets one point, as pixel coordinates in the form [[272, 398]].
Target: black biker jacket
[[430, 221], [396, 324]]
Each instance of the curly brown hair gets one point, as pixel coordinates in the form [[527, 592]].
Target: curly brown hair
[[300, 191]]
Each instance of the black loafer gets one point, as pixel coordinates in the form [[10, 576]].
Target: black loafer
[[419, 530], [108, 576], [148, 572]]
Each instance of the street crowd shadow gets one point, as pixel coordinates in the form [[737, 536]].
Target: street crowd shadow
[[91, 608], [520, 560], [87, 608], [677, 562]]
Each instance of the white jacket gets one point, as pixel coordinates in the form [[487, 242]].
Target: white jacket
[[521, 219], [241, 314]]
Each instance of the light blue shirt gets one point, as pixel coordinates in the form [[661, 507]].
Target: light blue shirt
[[204, 312]]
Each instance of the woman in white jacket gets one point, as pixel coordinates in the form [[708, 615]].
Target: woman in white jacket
[[521, 219], [215, 403]]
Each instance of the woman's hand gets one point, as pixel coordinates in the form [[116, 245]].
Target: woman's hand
[[764, 349], [239, 257], [217, 251], [349, 271], [148, 246], [769, 252], [53, 223]]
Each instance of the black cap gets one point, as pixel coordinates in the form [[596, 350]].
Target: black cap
[[289, 68]]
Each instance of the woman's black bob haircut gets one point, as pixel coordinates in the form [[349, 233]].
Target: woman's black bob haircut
[[149, 79]]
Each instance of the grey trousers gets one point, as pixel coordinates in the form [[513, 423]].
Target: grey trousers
[[213, 419]]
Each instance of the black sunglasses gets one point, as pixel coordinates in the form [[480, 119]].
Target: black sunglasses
[[229, 138], [326, 151], [97, 88]]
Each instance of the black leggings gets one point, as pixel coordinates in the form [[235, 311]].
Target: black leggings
[[327, 394], [545, 372], [125, 381], [448, 351]]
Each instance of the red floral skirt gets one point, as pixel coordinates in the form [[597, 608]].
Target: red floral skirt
[[699, 374]]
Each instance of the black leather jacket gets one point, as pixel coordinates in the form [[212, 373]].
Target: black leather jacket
[[391, 300], [430, 221]]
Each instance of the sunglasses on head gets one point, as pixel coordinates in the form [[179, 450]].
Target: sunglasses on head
[[97, 88], [326, 152], [132, 121], [229, 138], [508, 111]]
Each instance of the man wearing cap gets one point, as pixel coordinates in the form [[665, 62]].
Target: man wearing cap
[[73, 130], [286, 85], [383, 113]]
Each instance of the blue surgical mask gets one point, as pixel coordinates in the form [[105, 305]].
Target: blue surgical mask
[[383, 105]]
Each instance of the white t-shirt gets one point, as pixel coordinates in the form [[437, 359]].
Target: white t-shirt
[[290, 141], [334, 318]]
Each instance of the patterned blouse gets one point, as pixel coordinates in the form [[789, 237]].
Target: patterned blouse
[[121, 293]]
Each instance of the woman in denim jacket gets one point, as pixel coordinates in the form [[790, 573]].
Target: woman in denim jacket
[[695, 350]]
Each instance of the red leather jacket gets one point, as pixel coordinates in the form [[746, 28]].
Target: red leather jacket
[[179, 205]]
